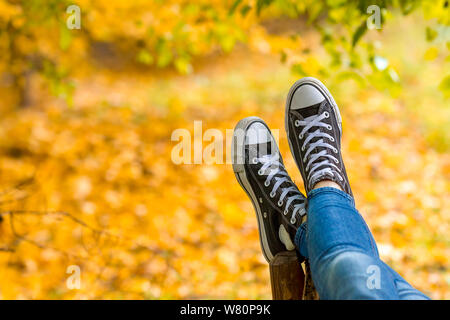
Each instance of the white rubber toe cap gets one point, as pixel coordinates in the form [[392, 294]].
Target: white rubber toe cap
[[305, 96], [257, 133]]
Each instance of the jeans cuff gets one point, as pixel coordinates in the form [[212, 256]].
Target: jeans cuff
[[332, 190]]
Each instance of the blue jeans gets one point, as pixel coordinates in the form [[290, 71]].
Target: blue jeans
[[342, 252]]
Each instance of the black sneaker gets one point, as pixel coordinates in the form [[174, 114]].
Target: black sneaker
[[314, 130], [258, 167]]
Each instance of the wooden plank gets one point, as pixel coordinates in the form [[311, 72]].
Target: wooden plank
[[288, 280], [309, 292], [286, 277]]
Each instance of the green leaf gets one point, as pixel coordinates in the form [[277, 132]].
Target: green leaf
[[314, 10], [227, 43], [144, 57], [444, 86], [360, 31], [297, 69], [245, 10], [408, 6], [234, 6], [261, 4], [65, 38], [164, 59], [165, 55], [183, 65], [430, 34], [351, 75], [283, 57]]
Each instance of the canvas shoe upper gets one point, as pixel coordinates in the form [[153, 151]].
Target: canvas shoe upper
[[259, 168], [314, 130]]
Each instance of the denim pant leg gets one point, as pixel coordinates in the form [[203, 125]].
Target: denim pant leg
[[342, 252], [404, 290]]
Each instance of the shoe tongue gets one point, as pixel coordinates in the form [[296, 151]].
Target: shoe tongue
[[312, 111], [309, 111], [265, 149], [257, 133], [259, 150], [259, 141]]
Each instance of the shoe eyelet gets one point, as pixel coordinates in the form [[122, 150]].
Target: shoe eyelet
[[254, 160], [327, 115], [329, 127], [300, 136], [266, 183], [260, 172], [335, 150], [272, 194], [331, 139], [336, 160], [293, 220], [297, 123], [303, 148], [285, 212], [280, 203]]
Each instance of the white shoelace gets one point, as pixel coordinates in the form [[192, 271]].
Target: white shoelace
[[280, 175], [312, 165]]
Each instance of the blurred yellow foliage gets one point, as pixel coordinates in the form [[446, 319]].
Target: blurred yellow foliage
[[89, 181]]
